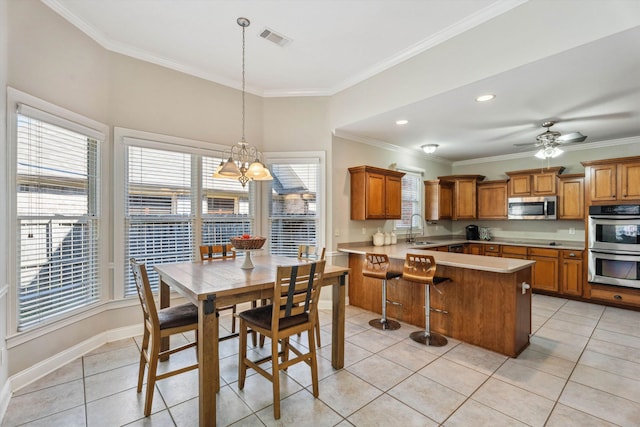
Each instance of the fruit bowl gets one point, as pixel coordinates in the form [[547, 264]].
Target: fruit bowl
[[254, 242]]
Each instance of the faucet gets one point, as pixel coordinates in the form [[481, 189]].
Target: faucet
[[412, 239]]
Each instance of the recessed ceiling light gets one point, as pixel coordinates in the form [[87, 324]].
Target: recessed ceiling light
[[485, 98], [402, 122], [429, 148]]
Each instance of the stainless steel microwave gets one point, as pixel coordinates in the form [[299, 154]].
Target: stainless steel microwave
[[532, 207]]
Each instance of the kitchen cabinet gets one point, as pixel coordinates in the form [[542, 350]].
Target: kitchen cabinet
[[571, 269], [492, 199], [613, 294], [491, 250], [376, 193], [474, 248], [438, 200], [464, 195], [571, 196], [612, 180], [533, 182], [517, 252], [545, 271]]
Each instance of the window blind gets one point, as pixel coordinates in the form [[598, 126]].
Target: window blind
[[58, 215], [158, 210], [293, 205], [411, 200]]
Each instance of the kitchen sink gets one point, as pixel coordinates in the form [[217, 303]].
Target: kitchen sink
[[421, 244]]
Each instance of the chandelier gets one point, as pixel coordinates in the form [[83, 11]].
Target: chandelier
[[548, 151], [245, 161]]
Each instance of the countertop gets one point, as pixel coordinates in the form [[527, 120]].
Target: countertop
[[452, 259]]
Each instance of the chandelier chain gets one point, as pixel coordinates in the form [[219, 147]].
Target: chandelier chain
[[243, 81]]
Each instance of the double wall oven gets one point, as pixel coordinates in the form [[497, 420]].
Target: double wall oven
[[614, 245]]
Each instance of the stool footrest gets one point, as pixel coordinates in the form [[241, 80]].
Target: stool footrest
[[437, 280], [437, 310]]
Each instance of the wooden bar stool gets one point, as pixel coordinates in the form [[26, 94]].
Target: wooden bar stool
[[421, 269], [376, 266]]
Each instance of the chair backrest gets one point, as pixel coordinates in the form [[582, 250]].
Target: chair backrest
[[296, 291], [375, 265], [419, 268], [145, 294], [209, 252], [310, 252]]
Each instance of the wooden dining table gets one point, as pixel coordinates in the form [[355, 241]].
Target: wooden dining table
[[213, 284]]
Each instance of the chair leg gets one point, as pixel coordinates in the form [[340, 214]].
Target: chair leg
[[383, 322], [144, 350], [151, 375], [427, 337], [314, 366], [242, 354], [318, 329], [275, 371], [233, 319]]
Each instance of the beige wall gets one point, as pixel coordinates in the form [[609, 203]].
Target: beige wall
[[4, 372]]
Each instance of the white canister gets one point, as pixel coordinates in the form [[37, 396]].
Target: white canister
[[378, 239], [387, 238], [394, 238]]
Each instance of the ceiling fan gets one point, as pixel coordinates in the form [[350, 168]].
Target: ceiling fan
[[549, 140]]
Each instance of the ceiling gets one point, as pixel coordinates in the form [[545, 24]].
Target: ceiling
[[593, 88]]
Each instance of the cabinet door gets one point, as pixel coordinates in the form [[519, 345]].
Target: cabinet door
[[446, 201], [375, 198], [393, 197], [545, 273], [629, 181], [571, 198], [520, 186], [544, 184], [492, 201], [602, 183], [474, 249], [572, 276], [464, 206]]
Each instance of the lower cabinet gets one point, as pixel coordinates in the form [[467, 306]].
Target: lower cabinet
[[571, 275], [474, 248], [545, 271], [613, 294]]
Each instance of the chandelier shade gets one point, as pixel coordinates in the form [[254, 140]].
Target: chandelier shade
[[245, 161], [548, 152]]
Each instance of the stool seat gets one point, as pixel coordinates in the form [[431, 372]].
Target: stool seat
[[419, 268], [376, 266]]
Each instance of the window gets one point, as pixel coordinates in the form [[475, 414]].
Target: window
[[58, 214], [172, 204], [411, 201], [294, 202]]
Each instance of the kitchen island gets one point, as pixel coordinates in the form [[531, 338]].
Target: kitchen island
[[487, 301]]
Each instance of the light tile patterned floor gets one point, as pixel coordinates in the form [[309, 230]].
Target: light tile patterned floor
[[581, 369]]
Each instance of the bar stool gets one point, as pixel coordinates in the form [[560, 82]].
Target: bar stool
[[376, 266], [421, 269]]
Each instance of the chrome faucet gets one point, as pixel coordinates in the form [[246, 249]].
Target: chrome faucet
[[412, 239]]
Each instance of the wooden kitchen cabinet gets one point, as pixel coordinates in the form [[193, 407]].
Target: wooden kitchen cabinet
[[464, 195], [533, 182], [517, 252], [612, 180], [571, 276], [571, 196], [474, 248], [492, 199], [491, 250], [545, 271], [438, 200], [376, 193]]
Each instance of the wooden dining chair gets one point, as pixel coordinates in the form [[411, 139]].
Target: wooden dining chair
[[215, 253], [160, 324], [295, 301], [309, 252]]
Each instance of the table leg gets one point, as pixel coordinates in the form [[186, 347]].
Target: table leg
[[337, 336], [208, 375], [165, 301]]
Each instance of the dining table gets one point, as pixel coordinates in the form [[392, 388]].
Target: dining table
[[213, 284]]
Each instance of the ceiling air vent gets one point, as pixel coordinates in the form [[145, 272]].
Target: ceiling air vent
[[274, 37]]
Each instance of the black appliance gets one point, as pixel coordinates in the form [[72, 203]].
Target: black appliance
[[473, 232]]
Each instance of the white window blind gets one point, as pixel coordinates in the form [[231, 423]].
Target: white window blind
[[411, 201], [158, 210], [227, 207], [58, 215], [294, 205]]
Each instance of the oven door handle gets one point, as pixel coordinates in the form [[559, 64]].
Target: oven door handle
[[625, 254]]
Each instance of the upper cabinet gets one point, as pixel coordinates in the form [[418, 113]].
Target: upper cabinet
[[464, 195], [376, 193], [492, 199], [571, 196], [533, 182], [438, 196], [613, 180]]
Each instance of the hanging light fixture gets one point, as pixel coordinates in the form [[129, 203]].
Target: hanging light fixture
[[548, 151], [245, 161]]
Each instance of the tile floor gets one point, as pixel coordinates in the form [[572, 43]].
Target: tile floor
[[581, 369]]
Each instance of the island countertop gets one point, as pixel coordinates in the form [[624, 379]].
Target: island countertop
[[474, 262]]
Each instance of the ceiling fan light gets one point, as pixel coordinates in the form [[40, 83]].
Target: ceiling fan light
[[548, 152], [429, 148]]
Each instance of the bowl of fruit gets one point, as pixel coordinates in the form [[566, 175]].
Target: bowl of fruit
[[247, 241]]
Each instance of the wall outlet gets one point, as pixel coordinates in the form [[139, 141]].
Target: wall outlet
[[572, 230], [364, 230], [337, 232]]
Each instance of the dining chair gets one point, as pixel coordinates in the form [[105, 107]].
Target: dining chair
[[160, 324], [296, 291], [309, 252], [215, 253]]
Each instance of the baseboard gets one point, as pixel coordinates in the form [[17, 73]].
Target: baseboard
[[5, 397], [49, 365]]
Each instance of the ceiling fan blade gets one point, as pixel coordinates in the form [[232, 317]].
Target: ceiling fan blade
[[527, 144], [571, 137]]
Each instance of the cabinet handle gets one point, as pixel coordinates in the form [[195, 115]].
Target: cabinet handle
[[525, 286], [572, 254], [618, 297]]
